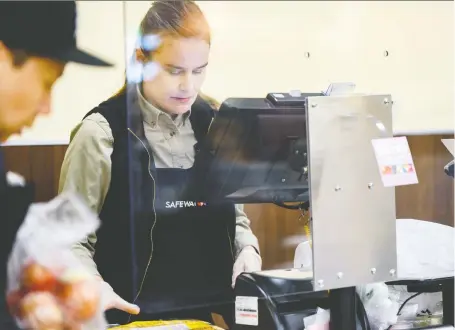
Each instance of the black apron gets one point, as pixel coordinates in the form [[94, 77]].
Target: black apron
[[14, 204], [192, 259], [190, 269]]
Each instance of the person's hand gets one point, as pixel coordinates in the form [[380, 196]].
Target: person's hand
[[247, 261], [114, 301]]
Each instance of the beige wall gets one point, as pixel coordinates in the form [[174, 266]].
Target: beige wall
[[260, 46]]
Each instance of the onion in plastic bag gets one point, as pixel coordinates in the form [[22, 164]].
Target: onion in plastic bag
[[47, 286]]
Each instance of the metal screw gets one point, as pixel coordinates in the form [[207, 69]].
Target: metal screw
[[283, 180], [370, 185], [340, 275], [392, 272], [337, 188], [373, 271], [307, 54], [321, 283]]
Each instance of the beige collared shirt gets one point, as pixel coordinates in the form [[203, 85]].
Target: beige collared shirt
[[171, 138], [86, 167]]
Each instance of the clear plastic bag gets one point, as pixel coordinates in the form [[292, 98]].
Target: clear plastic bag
[[48, 287], [318, 321], [380, 307]]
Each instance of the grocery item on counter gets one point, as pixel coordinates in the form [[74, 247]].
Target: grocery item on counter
[[168, 325]]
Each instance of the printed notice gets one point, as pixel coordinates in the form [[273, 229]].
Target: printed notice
[[394, 158], [246, 311]]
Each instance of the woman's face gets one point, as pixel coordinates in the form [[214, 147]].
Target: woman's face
[[182, 67]]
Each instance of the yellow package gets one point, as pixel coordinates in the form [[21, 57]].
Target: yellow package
[[168, 325]]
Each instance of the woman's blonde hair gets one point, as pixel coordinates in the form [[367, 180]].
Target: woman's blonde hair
[[175, 18], [179, 18]]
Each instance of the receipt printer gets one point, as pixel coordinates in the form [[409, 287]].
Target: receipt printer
[[276, 299]]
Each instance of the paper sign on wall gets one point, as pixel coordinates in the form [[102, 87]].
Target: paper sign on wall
[[246, 311], [394, 159]]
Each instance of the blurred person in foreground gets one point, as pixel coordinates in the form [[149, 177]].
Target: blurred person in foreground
[[132, 158], [37, 40]]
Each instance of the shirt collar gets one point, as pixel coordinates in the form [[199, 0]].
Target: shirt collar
[[151, 114]]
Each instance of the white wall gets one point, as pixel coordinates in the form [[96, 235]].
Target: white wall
[[260, 46]]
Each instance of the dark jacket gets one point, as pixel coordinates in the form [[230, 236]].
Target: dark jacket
[[14, 204]]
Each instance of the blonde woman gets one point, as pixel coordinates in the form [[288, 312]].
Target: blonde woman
[[185, 256]]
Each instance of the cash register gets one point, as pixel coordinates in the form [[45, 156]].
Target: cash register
[[258, 150], [308, 151]]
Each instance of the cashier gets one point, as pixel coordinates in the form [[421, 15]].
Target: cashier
[[37, 40], [186, 254]]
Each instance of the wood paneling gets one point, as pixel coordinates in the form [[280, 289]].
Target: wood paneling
[[432, 199], [38, 164]]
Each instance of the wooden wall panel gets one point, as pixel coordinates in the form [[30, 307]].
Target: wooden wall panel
[[38, 164], [432, 199], [17, 159]]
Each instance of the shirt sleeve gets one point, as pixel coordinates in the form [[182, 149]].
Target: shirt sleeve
[[86, 170], [244, 236]]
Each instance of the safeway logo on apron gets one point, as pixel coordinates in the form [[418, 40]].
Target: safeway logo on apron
[[184, 204]]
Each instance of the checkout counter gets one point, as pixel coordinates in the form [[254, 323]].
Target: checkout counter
[[329, 154]]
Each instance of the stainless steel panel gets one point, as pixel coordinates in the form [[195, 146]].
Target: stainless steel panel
[[354, 230]]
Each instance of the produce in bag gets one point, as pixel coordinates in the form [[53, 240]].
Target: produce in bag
[[48, 287]]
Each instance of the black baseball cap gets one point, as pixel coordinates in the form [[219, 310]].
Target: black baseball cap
[[45, 29]]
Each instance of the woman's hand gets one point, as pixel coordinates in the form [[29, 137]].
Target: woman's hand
[[114, 301], [247, 261]]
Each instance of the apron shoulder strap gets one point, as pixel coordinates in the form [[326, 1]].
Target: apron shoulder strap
[[201, 118], [3, 185]]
